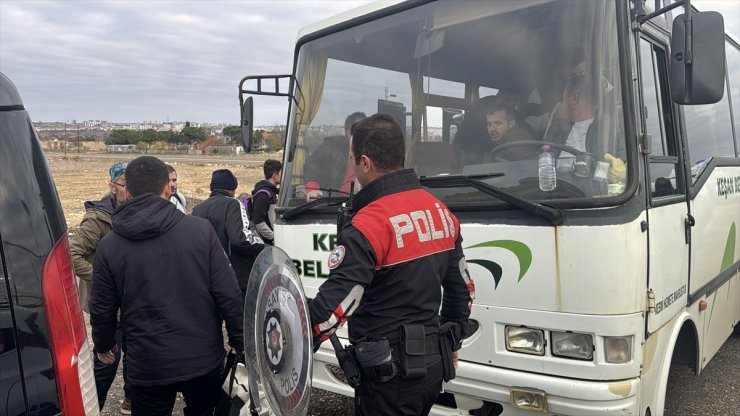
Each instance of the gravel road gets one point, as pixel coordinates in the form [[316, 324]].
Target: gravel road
[[715, 392]]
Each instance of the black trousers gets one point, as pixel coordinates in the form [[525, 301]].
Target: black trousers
[[398, 396], [199, 393]]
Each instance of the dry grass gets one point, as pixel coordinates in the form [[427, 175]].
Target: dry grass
[[84, 178]]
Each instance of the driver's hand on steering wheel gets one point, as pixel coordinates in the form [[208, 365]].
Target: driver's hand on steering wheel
[[313, 194]]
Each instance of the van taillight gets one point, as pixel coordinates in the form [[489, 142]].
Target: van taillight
[[70, 351]]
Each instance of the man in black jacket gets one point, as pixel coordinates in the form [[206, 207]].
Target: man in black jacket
[[229, 218], [174, 286], [261, 208], [387, 271]]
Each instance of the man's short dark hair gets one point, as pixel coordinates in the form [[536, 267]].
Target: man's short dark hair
[[146, 174], [352, 119], [272, 167], [380, 138], [511, 114], [170, 169]]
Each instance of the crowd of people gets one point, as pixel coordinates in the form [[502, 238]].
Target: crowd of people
[[160, 284]]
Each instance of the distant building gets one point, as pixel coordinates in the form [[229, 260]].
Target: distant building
[[121, 148], [218, 149]]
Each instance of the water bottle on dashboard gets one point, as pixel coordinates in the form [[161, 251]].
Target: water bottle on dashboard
[[547, 174]]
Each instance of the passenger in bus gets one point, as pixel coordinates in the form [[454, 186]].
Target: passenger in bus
[[505, 126], [571, 63], [545, 106], [327, 168], [584, 127]]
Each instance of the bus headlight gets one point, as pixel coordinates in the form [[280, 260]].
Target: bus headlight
[[526, 340], [572, 345], [618, 349]]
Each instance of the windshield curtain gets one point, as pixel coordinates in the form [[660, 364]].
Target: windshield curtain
[[478, 88]]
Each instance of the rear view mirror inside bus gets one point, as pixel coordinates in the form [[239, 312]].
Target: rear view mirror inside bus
[[701, 79]]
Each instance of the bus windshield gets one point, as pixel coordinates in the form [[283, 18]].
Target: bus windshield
[[478, 87]]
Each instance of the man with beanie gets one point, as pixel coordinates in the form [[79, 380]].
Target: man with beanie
[[229, 218], [168, 274], [96, 223]]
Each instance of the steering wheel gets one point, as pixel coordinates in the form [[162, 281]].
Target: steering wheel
[[494, 153]]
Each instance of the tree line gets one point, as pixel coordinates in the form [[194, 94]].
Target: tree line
[[188, 135]]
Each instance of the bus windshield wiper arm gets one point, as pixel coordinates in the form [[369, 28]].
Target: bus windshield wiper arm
[[552, 214], [300, 209]]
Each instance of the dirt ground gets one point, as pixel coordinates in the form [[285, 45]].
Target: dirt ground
[[85, 177]]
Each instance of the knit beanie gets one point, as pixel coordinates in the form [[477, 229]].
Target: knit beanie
[[223, 179]]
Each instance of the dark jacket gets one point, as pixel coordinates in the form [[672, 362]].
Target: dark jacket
[[327, 165], [94, 226], [172, 281], [229, 218], [519, 132], [262, 215], [383, 275]]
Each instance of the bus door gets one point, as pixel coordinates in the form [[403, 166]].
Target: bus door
[[668, 211]]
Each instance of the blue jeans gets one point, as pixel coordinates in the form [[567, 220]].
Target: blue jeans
[[106, 373]]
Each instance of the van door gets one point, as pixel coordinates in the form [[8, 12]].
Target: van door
[[11, 382], [668, 212]]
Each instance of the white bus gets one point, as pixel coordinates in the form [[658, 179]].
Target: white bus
[[586, 294]]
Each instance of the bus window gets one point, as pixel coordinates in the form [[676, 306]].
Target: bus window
[[708, 132], [452, 55], [733, 71], [664, 161]]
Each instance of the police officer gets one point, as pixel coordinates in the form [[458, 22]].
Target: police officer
[[401, 247]]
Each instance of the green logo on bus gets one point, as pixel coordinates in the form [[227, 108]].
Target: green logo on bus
[[519, 249]]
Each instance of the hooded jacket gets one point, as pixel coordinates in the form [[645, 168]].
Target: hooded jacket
[[94, 226], [229, 218], [173, 283], [263, 210]]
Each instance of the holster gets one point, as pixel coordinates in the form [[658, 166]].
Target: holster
[[413, 351], [375, 359], [450, 338], [347, 361]]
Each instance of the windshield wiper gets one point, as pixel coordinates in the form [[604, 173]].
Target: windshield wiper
[[552, 214], [300, 209]]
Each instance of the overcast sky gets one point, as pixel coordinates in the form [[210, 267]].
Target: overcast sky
[[156, 60]]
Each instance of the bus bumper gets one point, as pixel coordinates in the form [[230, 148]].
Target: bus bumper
[[477, 383]]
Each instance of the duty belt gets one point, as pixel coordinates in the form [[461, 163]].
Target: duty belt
[[390, 369]]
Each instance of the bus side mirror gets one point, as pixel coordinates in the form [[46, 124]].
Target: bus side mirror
[[247, 117], [700, 78]]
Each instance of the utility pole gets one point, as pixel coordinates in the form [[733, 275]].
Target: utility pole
[[65, 139]]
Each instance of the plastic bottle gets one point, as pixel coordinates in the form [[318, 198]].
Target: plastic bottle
[[547, 173]]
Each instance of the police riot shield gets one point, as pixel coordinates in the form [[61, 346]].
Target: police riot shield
[[277, 336]]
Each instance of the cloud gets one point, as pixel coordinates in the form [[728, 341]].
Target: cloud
[[182, 60], [136, 60]]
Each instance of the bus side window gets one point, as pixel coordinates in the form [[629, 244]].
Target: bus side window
[[658, 122], [733, 72], [709, 131]]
